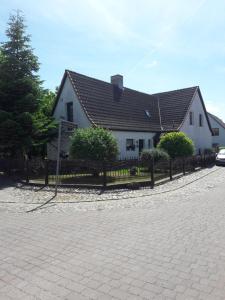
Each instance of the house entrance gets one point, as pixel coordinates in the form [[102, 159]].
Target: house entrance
[[141, 145]]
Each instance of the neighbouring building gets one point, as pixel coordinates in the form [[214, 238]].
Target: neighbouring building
[[136, 119], [218, 128]]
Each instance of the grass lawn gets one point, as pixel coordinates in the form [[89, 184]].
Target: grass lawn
[[113, 177]]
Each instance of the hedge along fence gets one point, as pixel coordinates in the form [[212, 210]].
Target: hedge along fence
[[122, 173]]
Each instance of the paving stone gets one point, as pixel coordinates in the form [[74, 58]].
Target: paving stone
[[165, 246]]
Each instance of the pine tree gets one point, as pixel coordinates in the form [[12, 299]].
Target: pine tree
[[20, 92]]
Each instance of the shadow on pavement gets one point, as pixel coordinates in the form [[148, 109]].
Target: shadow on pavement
[[42, 205], [5, 182]]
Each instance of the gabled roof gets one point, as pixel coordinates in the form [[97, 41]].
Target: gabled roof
[[174, 106], [111, 108], [218, 120], [127, 109]]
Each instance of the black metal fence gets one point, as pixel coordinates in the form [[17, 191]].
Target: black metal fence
[[132, 172]]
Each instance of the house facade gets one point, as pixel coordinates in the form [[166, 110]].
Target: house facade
[[218, 128], [135, 119]]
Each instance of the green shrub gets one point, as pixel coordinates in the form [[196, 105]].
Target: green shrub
[[176, 144], [157, 154], [96, 144]]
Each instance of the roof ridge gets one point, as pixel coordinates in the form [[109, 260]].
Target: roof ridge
[[187, 88], [69, 71], [217, 119], [127, 88]]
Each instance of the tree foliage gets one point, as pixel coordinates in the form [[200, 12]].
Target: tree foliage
[[22, 121], [176, 144], [96, 144]]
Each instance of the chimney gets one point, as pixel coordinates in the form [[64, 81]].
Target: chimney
[[117, 80]]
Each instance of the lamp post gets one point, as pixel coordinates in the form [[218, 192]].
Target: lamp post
[[69, 125]]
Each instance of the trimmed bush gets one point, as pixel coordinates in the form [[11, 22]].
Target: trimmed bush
[[176, 144], [95, 144], [157, 154]]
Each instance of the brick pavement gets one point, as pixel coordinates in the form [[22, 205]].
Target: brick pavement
[[174, 250]]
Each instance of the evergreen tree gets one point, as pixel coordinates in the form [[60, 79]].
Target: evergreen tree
[[21, 123]]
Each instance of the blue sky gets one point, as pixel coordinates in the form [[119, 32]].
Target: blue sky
[[156, 45]]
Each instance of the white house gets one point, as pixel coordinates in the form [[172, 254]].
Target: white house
[[136, 119], [218, 128]]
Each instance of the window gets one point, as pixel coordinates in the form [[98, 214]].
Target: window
[[216, 131], [149, 144], [130, 146], [147, 113], [191, 118], [69, 111], [200, 120]]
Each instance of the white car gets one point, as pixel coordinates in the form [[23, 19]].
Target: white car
[[220, 157]]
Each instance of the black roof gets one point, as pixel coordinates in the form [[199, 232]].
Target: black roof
[[107, 106], [174, 106]]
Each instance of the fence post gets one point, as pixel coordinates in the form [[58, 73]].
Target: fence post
[[193, 163], [104, 175], [171, 169], [46, 171], [152, 173], [202, 161], [27, 170], [183, 165]]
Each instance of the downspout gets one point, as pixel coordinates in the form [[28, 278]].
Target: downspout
[[160, 118], [157, 135]]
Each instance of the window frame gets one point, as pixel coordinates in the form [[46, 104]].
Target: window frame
[[216, 131], [69, 113], [200, 120], [130, 147], [191, 118]]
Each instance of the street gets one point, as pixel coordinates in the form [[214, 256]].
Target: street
[[170, 245]]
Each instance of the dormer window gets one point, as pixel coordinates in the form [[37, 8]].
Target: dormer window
[[191, 118], [147, 113]]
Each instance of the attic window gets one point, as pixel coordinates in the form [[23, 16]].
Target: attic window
[[200, 120], [147, 113], [216, 131]]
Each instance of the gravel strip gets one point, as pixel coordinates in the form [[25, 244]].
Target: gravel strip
[[26, 198]]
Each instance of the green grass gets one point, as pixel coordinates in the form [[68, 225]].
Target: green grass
[[112, 178]]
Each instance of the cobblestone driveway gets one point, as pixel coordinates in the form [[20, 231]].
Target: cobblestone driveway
[[170, 245]]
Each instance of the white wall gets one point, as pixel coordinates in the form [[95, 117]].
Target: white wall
[[68, 95], [80, 118], [221, 138], [121, 137], [201, 136]]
